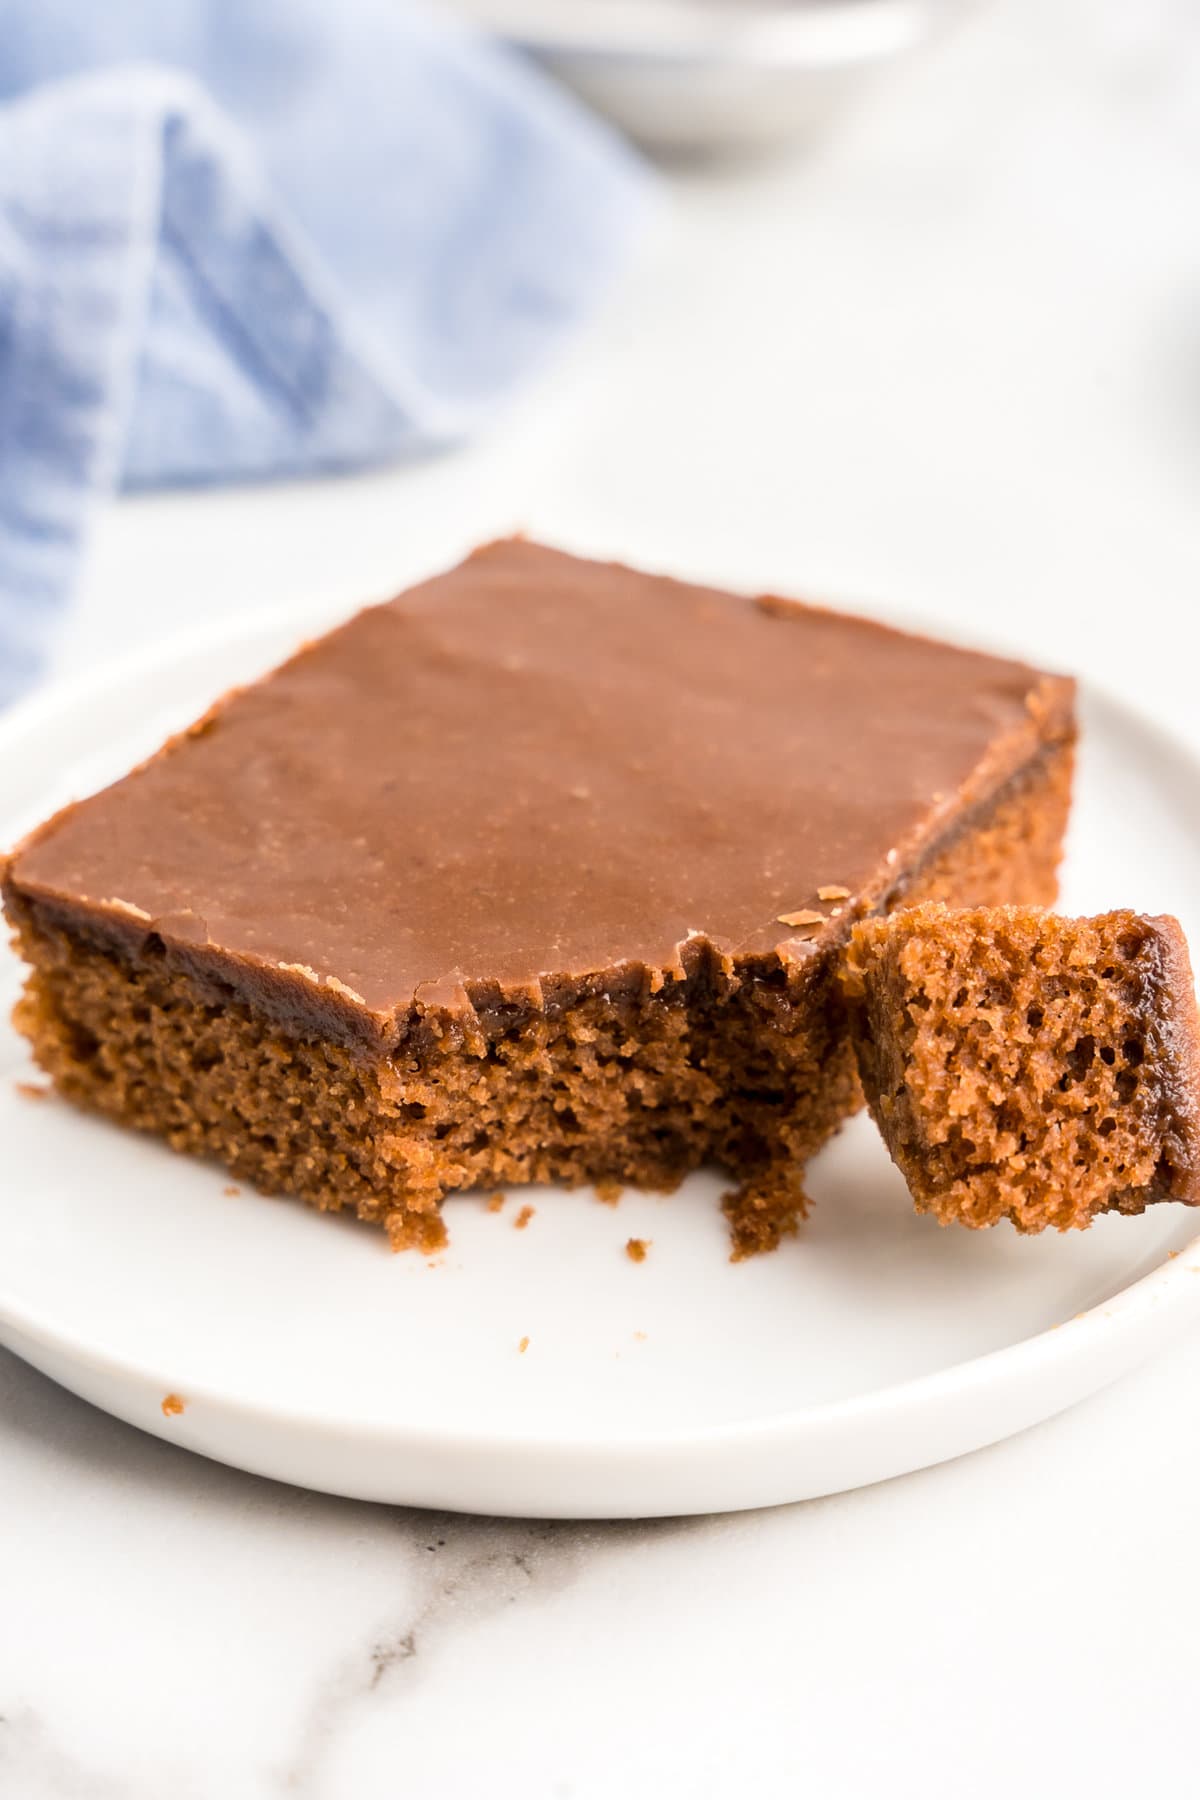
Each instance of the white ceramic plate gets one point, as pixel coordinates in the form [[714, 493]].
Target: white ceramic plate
[[303, 1349]]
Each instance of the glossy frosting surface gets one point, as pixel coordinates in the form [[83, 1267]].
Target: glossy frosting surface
[[534, 765]]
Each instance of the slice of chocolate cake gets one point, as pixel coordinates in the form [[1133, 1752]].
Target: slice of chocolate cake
[[1027, 1067], [542, 871]]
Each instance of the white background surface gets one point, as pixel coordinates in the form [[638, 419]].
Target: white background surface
[[950, 363]]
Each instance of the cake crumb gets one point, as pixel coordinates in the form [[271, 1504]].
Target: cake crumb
[[805, 916], [609, 1191], [172, 1406], [636, 1249], [760, 1218], [522, 1219], [115, 904], [523, 1346], [833, 890], [496, 1202], [424, 1231], [640, 1336], [32, 1090], [231, 1192]]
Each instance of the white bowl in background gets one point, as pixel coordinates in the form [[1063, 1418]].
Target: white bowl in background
[[700, 76]]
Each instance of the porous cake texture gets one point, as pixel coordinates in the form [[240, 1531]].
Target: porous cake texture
[[542, 871], [1029, 1067]]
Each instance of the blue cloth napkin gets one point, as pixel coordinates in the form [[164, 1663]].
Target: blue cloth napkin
[[242, 238]]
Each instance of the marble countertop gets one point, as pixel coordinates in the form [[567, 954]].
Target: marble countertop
[[947, 364]]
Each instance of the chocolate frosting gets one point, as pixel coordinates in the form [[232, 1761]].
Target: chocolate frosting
[[535, 766]]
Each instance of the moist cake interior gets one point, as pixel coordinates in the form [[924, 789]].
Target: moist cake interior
[[1030, 1067]]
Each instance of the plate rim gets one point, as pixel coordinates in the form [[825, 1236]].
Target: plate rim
[[1072, 1339]]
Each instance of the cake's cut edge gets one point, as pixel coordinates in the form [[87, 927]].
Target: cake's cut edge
[[1025, 1066], [151, 1034]]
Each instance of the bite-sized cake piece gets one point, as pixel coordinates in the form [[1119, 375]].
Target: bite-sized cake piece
[[1029, 1067], [542, 871]]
